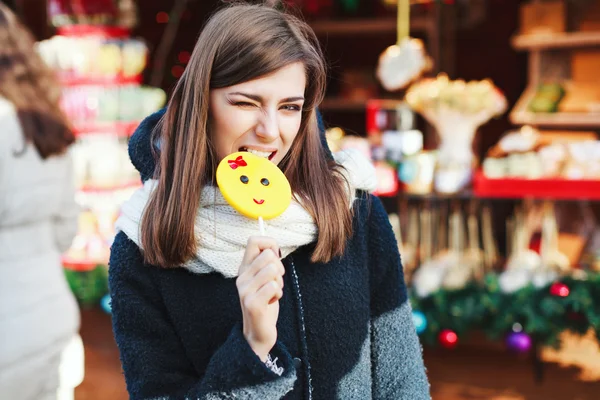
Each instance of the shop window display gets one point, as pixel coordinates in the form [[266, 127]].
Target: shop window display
[[542, 280], [100, 67]]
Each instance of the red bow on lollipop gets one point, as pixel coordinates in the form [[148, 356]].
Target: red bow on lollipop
[[238, 162]]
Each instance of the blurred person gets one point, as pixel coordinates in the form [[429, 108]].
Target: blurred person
[[40, 350], [205, 308]]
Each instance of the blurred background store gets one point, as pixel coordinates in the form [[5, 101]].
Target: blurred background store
[[482, 118]]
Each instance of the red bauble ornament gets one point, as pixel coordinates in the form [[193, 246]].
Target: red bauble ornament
[[184, 57], [448, 338], [559, 289], [162, 17], [177, 71]]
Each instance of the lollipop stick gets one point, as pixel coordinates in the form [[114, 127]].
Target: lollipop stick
[[261, 227], [403, 20]]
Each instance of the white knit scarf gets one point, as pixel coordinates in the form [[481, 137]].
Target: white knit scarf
[[222, 233]]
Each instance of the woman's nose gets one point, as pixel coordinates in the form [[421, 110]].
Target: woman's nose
[[268, 127]]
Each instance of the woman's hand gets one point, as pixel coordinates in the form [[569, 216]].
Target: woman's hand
[[260, 286]]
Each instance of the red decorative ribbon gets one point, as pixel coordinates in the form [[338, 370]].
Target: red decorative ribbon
[[238, 162]]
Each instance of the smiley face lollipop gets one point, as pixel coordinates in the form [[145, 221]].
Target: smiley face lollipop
[[253, 186]]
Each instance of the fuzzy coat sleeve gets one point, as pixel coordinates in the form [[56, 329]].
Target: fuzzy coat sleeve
[[398, 369], [154, 361]]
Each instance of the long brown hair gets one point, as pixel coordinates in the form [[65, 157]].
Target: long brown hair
[[30, 85], [239, 43]]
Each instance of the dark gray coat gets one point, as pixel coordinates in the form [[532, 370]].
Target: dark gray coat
[[345, 328]]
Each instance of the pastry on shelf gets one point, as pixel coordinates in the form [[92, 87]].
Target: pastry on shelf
[[583, 160], [88, 246], [532, 154], [546, 98], [581, 97], [417, 172], [89, 59], [522, 140]]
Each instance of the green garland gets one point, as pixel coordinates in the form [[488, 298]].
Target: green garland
[[88, 286], [542, 315]]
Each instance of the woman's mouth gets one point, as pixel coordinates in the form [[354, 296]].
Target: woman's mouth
[[263, 154]]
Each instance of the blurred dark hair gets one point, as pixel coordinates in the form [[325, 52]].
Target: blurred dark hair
[[30, 85]]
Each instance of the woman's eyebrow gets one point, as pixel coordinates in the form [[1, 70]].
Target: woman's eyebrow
[[254, 97], [292, 99], [260, 99]]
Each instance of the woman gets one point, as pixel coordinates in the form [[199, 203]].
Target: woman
[[38, 219], [204, 308]]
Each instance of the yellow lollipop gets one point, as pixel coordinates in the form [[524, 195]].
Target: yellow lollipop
[[253, 186]]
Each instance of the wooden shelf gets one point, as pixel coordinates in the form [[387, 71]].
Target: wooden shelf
[[520, 115], [556, 119], [366, 26], [556, 40], [101, 81], [434, 196], [81, 265], [519, 188], [89, 189], [83, 30], [340, 104], [120, 129]]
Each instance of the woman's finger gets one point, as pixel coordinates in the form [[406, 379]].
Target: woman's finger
[[268, 294], [270, 272], [255, 245], [265, 258]]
